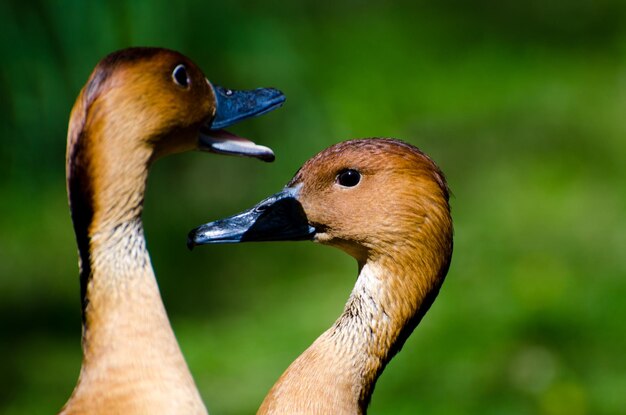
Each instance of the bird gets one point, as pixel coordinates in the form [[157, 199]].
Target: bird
[[138, 105], [385, 203]]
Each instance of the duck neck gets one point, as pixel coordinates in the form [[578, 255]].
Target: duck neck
[[338, 372], [106, 191], [118, 282], [383, 310], [129, 348]]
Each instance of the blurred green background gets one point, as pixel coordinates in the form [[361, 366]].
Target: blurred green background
[[522, 104]]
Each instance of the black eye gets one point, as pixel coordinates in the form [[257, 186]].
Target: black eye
[[349, 178], [180, 76]]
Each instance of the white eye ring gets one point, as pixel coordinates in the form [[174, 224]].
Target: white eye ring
[[180, 76]]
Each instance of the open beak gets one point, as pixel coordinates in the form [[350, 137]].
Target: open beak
[[231, 107], [280, 217]]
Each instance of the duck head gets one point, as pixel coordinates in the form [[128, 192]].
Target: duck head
[[370, 198], [159, 100]]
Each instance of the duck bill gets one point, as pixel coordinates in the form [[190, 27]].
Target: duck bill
[[234, 106], [280, 217], [223, 142]]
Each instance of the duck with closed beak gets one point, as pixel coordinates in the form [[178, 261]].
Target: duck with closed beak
[[138, 105], [385, 203]]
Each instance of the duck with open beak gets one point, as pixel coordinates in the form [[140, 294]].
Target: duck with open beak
[[232, 106]]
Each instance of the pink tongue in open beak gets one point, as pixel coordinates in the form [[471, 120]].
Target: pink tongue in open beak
[[223, 142]]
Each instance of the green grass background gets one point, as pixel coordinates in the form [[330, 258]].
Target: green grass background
[[522, 104]]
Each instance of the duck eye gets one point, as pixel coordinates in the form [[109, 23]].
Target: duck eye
[[180, 76], [349, 178]]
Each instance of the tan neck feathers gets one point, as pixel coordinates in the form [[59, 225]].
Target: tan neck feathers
[[338, 372], [132, 363]]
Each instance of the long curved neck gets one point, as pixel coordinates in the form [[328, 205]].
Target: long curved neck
[[131, 360], [106, 191], [337, 373]]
